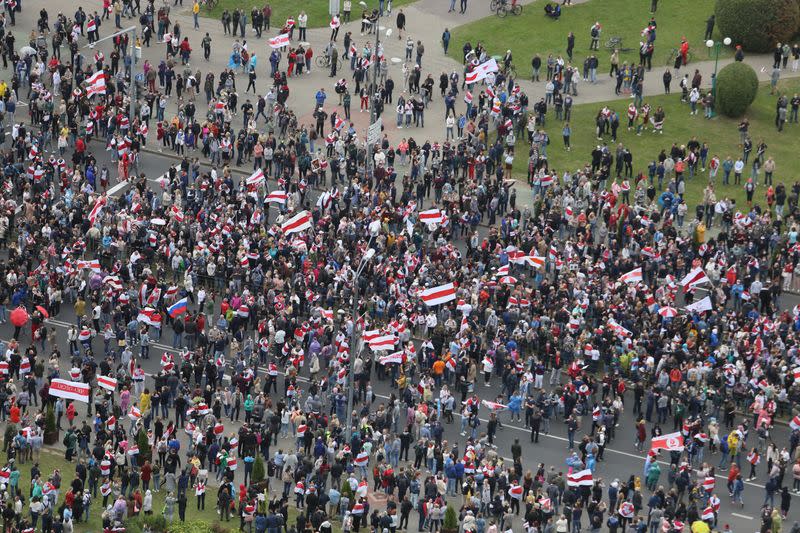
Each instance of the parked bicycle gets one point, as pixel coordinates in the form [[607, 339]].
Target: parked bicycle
[[504, 8]]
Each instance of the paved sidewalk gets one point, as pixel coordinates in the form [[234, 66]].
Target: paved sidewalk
[[426, 20]]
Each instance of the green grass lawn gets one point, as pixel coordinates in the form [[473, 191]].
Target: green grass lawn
[[720, 133], [533, 33], [52, 459], [317, 11]]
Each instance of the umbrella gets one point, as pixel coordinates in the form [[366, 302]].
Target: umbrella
[[668, 312], [158, 221], [95, 282], [508, 280], [43, 311], [396, 60], [19, 317], [26, 51]]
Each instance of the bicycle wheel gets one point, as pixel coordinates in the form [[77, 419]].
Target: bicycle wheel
[[511, 72], [211, 4], [517, 9], [321, 62], [502, 11], [671, 59], [338, 65], [493, 5]]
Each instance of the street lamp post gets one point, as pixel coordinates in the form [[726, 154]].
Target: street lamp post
[[716, 46], [132, 84], [355, 338], [372, 114]]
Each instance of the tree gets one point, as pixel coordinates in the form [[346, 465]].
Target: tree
[[450, 524], [737, 86], [758, 25], [143, 445], [50, 427], [258, 471]]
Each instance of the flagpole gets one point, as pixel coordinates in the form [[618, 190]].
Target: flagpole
[[355, 337], [132, 85]]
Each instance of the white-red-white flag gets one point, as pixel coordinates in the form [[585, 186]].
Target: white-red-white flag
[[439, 295], [300, 222]]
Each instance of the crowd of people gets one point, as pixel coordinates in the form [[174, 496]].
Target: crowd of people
[[336, 268]]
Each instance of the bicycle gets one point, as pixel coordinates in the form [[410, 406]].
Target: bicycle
[[504, 9], [674, 53], [615, 43], [324, 61], [211, 4], [510, 71], [493, 5]]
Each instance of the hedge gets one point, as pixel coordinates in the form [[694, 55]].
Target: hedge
[[757, 24]]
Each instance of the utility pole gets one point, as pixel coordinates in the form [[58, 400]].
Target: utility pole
[[132, 85]]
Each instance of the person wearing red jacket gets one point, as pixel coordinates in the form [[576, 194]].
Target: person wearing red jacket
[[185, 50]]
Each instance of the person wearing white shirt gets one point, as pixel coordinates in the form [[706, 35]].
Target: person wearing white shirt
[[302, 24]]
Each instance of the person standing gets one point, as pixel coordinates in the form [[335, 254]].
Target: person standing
[[570, 45], [302, 25], [401, 25], [196, 14], [710, 27]]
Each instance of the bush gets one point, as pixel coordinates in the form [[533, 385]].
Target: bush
[[157, 523], [450, 519], [258, 471], [737, 86], [143, 445], [190, 527], [50, 419], [757, 24]]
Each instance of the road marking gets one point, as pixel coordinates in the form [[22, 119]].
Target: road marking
[[121, 185], [742, 516], [484, 420]]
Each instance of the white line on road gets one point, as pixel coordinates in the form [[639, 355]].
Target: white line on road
[[484, 420], [746, 517]]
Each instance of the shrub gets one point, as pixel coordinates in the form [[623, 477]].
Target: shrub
[[737, 86], [50, 419], [190, 527], [258, 471], [450, 519], [757, 24], [157, 523], [143, 445]]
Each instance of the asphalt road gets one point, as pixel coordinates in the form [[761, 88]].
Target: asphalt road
[[621, 458]]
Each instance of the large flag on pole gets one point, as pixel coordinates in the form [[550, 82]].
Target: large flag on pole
[[696, 277], [481, 71], [439, 295], [301, 221]]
